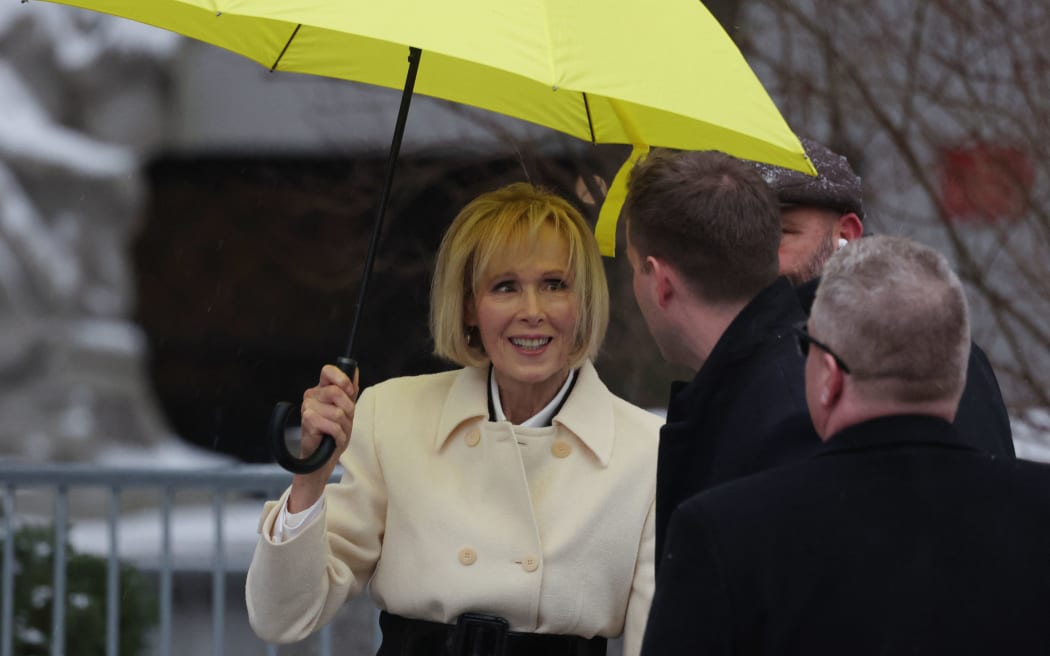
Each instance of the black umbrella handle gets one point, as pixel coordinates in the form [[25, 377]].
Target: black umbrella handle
[[279, 421]]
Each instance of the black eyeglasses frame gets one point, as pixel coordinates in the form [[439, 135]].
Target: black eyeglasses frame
[[803, 339]]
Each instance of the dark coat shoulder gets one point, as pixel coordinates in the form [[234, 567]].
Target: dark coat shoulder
[[744, 412], [896, 537]]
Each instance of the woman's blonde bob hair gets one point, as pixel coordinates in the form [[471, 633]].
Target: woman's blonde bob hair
[[510, 218]]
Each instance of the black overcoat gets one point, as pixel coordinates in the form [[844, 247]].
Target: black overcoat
[[744, 412], [895, 538]]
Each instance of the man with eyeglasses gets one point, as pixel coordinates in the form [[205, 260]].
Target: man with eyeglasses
[[702, 235], [825, 213], [896, 536]]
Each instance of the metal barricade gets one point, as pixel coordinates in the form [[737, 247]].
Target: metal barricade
[[252, 482]]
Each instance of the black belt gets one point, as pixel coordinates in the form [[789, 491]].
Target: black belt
[[474, 634]]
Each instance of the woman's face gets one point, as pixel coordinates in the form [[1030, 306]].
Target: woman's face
[[526, 312]]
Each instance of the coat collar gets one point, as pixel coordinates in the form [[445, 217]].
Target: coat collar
[[769, 315], [467, 399], [894, 431], [807, 293], [587, 412]]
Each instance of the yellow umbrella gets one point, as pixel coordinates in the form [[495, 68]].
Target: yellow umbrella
[[653, 73], [658, 73]]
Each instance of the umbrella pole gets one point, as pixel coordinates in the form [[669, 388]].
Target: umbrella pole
[[395, 149], [279, 417]]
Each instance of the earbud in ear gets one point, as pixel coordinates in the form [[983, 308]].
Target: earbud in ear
[[842, 242]]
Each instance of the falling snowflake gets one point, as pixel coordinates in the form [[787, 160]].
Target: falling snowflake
[[40, 595]]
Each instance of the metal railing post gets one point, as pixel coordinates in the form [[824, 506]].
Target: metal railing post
[[113, 575], [58, 583], [326, 640], [7, 576], [166, 567], [218, 574]]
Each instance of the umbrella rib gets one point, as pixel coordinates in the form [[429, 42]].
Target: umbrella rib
[[590, 123], [285, 48]]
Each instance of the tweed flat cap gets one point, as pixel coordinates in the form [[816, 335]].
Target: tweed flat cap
[[836, 186]]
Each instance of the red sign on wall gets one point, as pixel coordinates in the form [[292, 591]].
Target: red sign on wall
[[985, 182]]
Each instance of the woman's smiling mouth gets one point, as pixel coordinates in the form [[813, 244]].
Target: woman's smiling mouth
[[530, 343]]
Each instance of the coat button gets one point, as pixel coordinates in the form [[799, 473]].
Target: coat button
[[561, 449], [473, 437], [530, 563], [468, 556]]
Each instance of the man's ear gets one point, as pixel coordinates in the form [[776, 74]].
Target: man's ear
[[831, 381], [849, 227], [664, 279]]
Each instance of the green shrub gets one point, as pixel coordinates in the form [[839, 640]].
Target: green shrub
[[85, 619]]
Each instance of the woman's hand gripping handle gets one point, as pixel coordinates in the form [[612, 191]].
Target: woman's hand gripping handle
[[327, 414]]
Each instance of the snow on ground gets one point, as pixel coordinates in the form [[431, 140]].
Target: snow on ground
[[194, 528], [1032, 435], [193, 533]]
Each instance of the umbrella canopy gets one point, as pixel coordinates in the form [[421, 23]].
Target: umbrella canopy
[[657, 73]]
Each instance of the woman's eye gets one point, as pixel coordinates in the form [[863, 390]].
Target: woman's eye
[[556, 284], [503, 286]]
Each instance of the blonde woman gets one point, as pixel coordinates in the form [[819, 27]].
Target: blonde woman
[[502, 508]]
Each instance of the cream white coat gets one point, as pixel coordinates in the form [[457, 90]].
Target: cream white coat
[[444, 512]]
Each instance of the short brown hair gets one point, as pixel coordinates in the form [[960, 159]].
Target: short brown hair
[[507, 217], [709, 215]]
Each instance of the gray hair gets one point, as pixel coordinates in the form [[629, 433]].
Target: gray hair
[[896, 313]]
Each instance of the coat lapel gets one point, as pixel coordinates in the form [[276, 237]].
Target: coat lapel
[[587, 413], [467, 399]]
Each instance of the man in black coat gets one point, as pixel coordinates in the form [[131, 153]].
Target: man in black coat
[[896, 537], [702, 235], [824, 213]]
